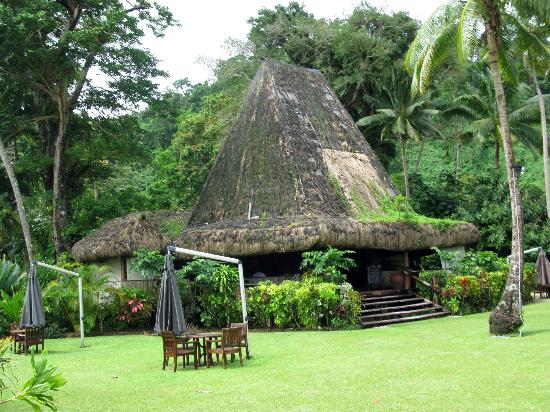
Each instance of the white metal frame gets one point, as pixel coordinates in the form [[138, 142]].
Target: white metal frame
[[189, 252], [80, 299]]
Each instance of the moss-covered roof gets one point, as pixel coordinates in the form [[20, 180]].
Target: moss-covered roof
[[125, 235], [290, 174]]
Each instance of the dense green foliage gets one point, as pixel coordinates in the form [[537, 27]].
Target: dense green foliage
[[328, 265], [306, 304], [474, 282], [149, 263], [479, 195]]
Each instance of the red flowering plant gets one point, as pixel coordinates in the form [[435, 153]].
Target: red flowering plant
[[135, 311]]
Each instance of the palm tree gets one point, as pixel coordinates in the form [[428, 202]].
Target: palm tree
[[532, 41], [6, 161], [10, 122], [402, 116], [482, 110], [456, 26]]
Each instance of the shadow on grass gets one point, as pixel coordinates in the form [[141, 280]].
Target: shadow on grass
[[535, 332]]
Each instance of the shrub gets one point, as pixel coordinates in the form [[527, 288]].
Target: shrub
[[54, 331], [282, 303], [327, 265], [476, 282], [212, 292], [258, 299], [11, 306], [189, 289], [308, 304], [61, 300], [147, 262], [129, 307]]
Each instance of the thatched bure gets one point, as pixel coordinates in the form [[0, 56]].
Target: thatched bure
[[125, 235], [296, 164]]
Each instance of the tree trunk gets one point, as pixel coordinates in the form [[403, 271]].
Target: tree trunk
[[417, 165], [507, 317], [457, 167], [405, 167], [546, 164], [18, 199], [59, 214]]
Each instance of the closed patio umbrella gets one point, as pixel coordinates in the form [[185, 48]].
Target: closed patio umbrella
[[169, 309], [33, 308], [543, 269]]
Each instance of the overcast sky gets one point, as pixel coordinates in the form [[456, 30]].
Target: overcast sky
[[206, 24]]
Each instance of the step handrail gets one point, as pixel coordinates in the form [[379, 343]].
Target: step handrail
[[436, 291]]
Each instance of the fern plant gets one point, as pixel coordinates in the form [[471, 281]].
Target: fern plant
[[327, 265]]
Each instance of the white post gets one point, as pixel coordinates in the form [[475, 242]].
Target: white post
[[81, 311], [243, 302]]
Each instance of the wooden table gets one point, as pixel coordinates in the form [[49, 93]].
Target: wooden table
[[197, 337]]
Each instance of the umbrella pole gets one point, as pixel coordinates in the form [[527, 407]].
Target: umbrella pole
[[81, 311], [243, 303]]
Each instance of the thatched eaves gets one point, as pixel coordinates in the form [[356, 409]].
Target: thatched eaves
[[125, 235], [284, 235], [295, 173]]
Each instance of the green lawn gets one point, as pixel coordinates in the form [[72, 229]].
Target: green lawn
[[441, 364]]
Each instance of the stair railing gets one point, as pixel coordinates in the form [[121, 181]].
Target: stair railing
[[434, 286]]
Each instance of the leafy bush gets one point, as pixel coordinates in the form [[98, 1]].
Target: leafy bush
[[61, 301], [307, 304], [11, 306], [475, 282], [149, 263], [10, 276], [135, 311], [327, 265], [126, 307], [210, 292], [257, 299], [54, 331]]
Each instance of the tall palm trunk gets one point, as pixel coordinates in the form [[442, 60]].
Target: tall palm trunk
[[457, 166], [420, 152], [59, 214], [405, 167], [18, 199], [546, 164], [506, 317]]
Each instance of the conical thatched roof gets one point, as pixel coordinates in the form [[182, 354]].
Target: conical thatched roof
[[125, 235], [291, 173]]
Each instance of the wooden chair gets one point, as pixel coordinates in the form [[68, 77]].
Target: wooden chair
[[230, 343], [33, 336], [14, 336], [244, 336], [170, 349]]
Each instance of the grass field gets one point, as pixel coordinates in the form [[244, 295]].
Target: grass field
[[435, 365]]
